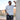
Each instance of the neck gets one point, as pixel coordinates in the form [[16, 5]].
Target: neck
[[10, 5]]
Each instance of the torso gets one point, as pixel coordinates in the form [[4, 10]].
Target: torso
[[10, 9]]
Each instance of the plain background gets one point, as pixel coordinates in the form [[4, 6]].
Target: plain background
[[18, 10]]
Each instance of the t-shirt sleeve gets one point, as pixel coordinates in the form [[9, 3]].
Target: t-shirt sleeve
[[6, 9]]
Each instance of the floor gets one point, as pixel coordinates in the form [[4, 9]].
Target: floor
[[4, 18]]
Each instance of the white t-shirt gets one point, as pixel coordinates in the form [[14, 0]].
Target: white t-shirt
[[9, 9]]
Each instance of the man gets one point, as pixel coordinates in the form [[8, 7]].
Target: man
[[9, 11]]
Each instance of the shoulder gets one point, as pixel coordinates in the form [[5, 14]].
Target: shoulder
[[13, 5], [7, 5]]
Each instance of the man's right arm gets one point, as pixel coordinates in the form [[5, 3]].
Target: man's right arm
[[6, 12]]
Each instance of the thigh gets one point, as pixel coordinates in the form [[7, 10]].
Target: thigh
[[11, 17], [7, 17]]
